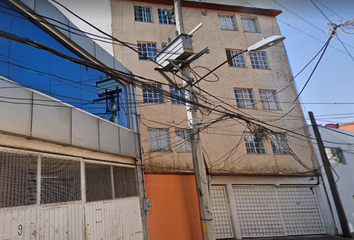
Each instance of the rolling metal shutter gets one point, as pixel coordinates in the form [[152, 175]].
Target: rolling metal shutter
[[267, 211]]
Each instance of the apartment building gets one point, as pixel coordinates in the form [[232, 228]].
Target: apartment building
[[65, 172], [264, 178]]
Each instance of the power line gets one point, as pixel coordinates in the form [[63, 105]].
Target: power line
[[318, 62]]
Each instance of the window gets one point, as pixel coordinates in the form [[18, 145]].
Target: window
[[280, 143], [159, 140], [98, 182], [237, 61], [334, 155], [254, 145], [60, 181], [152, 93], [163, 17], [178, 92], [18, 179], [125, 184], [244, 98], [227, 22], [250, 24], [259, 60], [269, 99], [184, 140], [143, 13], [147, 51]]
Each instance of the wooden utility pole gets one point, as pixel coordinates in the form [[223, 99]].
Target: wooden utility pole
[[199, 167], [327, 166]]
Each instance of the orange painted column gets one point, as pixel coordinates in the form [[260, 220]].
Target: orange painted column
[[174, 213]]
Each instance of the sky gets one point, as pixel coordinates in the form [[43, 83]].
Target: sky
[[329, 93]]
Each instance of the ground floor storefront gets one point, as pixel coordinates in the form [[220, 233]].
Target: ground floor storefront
[[52, 196], [242, 207]]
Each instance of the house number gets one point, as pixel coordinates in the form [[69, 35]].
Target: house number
[[20, 230]]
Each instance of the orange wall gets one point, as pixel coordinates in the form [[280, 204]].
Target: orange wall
[[347, 126], [174, 214]]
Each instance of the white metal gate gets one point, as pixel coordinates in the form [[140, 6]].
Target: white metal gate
[[221, 212], [46, 196], [266, 211]]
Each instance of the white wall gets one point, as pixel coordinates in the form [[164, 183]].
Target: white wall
[[343, 172]]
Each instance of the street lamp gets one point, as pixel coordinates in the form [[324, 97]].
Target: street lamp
[[266, 43]]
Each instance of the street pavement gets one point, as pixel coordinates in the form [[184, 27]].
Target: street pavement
[[313, 237]]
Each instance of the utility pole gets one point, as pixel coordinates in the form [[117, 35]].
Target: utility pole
[[198, 161], [327, 166]]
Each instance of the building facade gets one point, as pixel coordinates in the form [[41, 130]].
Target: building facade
[[264, 172], [339, 150], [66, 171]]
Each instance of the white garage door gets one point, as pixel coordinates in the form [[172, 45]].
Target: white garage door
[[265, 211]]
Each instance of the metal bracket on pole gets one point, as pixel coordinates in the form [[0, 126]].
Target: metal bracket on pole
[[190, 80], [198, 55], [170, 81]]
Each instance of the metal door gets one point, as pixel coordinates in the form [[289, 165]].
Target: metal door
[[221, 212], [267, 211]]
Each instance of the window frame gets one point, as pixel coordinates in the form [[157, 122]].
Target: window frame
[[278, 149], [228, 15], [184, 145], [169, 21], [147, 51], [143, 6], [157, 96], [253, 146], [258, 30], [233, 62], [260, 61], [242, 100], [163, 145], [266, 100]]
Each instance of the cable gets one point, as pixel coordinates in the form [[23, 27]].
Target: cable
[[318, 62]]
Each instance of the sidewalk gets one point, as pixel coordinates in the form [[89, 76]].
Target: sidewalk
[[312, 237]]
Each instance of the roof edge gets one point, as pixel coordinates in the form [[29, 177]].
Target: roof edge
[[218, 7]]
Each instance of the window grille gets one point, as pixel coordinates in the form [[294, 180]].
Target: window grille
[[178, 92], [125, 184], [227, 22], [269, 99], [254, 145], [244, 98], [163, 18], [18, 179], [98, 182], [280, 143], [60, 180], [152, 95], [259, 60], [143, 13], [237, 61], [147, 51], [159, 140], [221, 214], [184, 140], [250, 24]]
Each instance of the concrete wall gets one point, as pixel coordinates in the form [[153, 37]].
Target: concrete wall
[[226, 136], [342, 172], [33, 115]]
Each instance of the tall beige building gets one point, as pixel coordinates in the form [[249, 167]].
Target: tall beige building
[[264, 178]]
